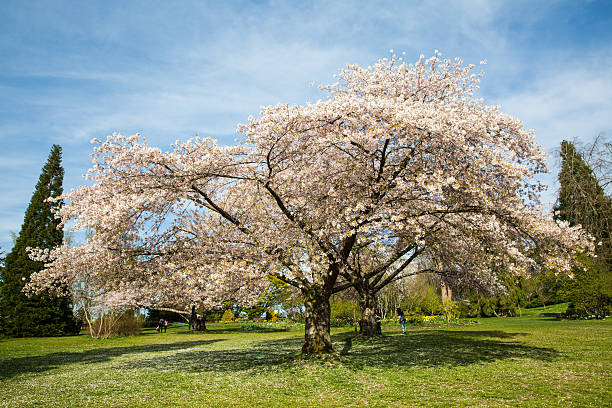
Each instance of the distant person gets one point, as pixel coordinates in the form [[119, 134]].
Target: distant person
[[161, 325], [378, 320], [190, 323], [402, 320], [165, 325]]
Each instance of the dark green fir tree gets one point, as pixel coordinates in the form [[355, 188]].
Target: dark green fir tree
[[44, 314], [582, 201]]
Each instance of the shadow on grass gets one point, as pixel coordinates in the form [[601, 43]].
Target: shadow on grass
[[431, 348], [424, 348], [246, 329], [219, 330], [260, 356], [36, 364]]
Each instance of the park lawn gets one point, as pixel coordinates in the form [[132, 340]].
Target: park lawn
[[533, 361]]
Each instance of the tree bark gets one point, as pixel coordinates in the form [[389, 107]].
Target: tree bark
[[367, 325], [199, 324], [317, 337]]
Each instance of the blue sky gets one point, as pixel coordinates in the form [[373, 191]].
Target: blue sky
[[74, 70]]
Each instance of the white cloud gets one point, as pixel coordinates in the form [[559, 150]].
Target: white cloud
[[564, 102]]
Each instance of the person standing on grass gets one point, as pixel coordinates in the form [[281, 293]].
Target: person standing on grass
[[402, 320], [190, 322], [378, 320], [165, 325], [161, 325]]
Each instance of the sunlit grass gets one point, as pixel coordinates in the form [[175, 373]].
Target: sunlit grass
[[531, 361]]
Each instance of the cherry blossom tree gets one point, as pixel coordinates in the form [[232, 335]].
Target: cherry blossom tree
[[400, 162], [130, 274]]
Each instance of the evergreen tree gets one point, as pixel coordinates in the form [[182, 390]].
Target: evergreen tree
[[44, 314], [582, 201]]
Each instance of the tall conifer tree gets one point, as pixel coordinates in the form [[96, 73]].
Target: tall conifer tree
[[44, 314], [583, 201]]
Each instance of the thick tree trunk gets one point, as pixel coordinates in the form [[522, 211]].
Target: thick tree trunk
[[199, 323], [317, 337], [367, 325]]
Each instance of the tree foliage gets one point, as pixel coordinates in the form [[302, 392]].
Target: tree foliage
[[583, 201], [508, 300], [43, 314], [227, 317]]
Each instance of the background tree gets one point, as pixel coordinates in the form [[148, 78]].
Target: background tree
[[399, 159], [545, 288], [44, 314], [598, 155], [276, 295], [583, 201]]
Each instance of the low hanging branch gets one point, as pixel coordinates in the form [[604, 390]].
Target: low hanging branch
[[182, 313]]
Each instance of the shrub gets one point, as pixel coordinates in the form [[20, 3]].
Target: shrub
[[214, 316], [342, 312], [431, 304], [116, 323], [487, 306], [590, 292], [255, 312], [271, 315], [415, 317], [339, 323], [227, 317], [469, 307], [422, 295], [537, 302], [450, 309], [128, 324]]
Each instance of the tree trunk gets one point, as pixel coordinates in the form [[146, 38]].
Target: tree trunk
[[317, 337], [199, 323], [367, 325], [447, 293]]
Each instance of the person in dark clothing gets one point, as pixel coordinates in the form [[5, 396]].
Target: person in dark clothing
[[377, 317], [402, 320], [161, 325]]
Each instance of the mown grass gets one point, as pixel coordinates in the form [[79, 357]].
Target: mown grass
[[531, 361]]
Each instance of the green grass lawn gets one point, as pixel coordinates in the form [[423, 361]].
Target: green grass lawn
[[533, 361]]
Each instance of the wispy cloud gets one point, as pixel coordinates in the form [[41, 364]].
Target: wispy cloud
[[573, 100]]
